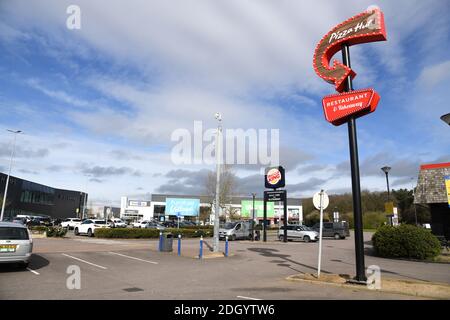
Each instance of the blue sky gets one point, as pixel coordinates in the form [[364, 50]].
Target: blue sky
[[98, 104]]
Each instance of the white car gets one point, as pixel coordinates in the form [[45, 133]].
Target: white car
[[140, 224], [117, 223], [70, 223], [298, 232], [89, 226], [16, 243]]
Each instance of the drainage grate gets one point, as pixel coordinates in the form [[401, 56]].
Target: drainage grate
[[133, 289]]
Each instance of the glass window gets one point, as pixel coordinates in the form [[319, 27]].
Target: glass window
[[11, 233]]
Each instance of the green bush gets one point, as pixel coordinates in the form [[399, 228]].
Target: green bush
[[56, 232], [38, 229], [405, 241], [142, 233]]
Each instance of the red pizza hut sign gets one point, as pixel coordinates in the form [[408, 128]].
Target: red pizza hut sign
[[338, 107], [364, 27]]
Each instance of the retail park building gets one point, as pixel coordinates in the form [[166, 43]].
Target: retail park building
[[189, 207]]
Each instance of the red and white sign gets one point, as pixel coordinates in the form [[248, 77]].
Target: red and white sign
[[273, 176], [364, 27], [339, 107]]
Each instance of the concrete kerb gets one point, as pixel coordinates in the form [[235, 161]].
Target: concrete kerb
[[433, 290]]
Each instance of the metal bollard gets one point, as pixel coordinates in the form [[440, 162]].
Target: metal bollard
[[160, 241], [179, 244], [226, 246], [200, 255]]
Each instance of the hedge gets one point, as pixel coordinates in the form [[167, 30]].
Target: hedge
[[56, 232], [142, 233], [405, 241], [50, 231]]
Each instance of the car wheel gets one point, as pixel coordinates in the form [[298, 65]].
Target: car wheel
[[90, 234], [250, 236], [306, 238], [343, 237], [281, 238], [337, 236], [233, 237], [76, 232]]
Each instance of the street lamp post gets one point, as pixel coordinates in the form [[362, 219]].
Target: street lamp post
[[414, 201], [386, 170], [253, 217], [15, 132], [218, 117]]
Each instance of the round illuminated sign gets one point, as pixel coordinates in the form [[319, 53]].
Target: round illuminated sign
[[273, 176]]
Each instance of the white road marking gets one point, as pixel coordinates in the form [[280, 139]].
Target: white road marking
[[92, 264], [248, 298], [123, 255], [32, 271]]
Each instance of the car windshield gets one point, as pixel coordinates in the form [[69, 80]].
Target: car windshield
[[11, 233], [305, 228], [229, 225]]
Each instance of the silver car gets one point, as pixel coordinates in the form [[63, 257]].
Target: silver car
[[16, 243], [298, 232]]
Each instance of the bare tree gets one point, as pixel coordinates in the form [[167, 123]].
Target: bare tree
[[227, 185]]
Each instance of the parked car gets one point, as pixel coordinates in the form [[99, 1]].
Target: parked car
[[337, 230], [89, 226], [22, 221], [186, 223], [140, 224], [16, 243], [170, 224], [57, 221], [153, 225], [43, 221], [117, 223], [71, 223], [236, 230], [33, 223], [298, 232]]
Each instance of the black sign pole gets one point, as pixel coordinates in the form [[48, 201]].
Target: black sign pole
[[265, 217], [356, 188], [284, 198]]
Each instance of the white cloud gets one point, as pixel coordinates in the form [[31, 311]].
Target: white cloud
[[432, 75]]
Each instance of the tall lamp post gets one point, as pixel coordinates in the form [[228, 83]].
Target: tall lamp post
[[218, 117], [414, 201], [15, 132], [253, 217], [386, 170]]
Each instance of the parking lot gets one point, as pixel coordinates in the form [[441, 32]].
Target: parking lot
[[134, 269]]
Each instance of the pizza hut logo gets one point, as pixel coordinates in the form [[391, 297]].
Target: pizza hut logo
[[273, 176]]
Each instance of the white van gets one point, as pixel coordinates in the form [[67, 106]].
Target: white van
[[236, 230]]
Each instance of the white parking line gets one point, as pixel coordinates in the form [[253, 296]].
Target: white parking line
[[248, 298], [32, 271], [123, 255], [92, 264]]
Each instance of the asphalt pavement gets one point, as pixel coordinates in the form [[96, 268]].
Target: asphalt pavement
[[134, 269]]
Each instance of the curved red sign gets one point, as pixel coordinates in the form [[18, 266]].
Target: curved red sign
[[362, 28]]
